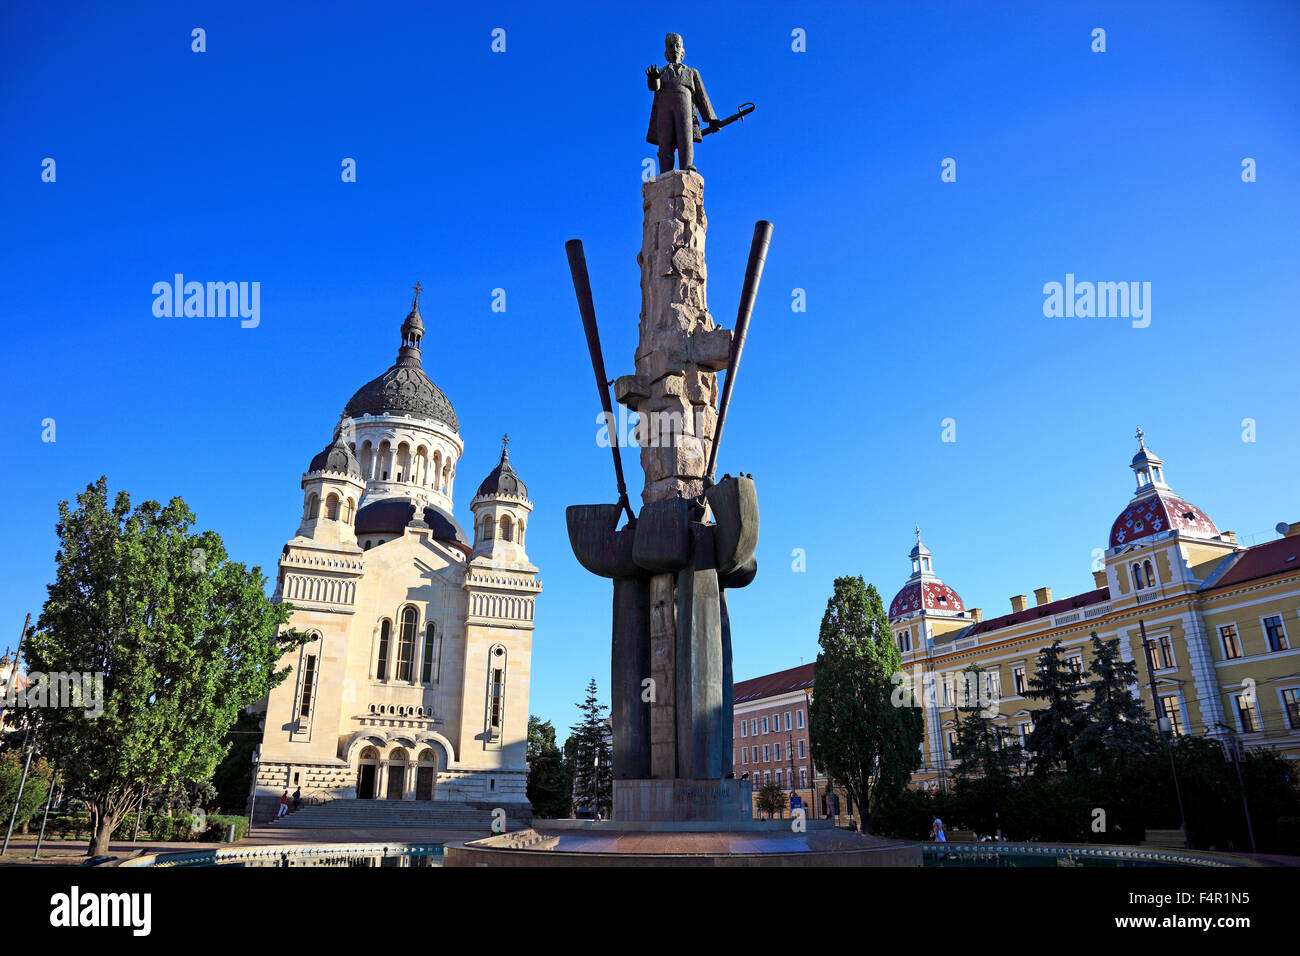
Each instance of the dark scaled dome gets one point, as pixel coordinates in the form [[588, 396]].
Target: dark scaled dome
[[390, 516], [502, 480], [337, 457], [405, 389]]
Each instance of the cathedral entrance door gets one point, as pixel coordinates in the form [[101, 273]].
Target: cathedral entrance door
[[366, 782], [396, 781], [424, 775]]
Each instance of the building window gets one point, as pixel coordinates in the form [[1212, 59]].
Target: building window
[[799, 719], [905, 641], [776, 752], [496, 691], [332, 507], [952, 744], [1018, 678], [803, 776], [1026, 729], [313, 507], [1160, 653], [753, 727], [406, 646], [308, 684], [1150, 573], [507, 528], [788, 725], [767, 777], [993, 685], [1247, 714], [744, 755], [1291, 703], [801, 748], [1075, 663], [767, 726], [432, 645], [381, 669], [1137, 576], [767, 753], [1231, 645], [744, 728], [1169, 708], [1276, 633]]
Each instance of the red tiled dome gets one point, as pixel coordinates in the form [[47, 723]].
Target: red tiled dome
[[1157, 514], [936, 595]]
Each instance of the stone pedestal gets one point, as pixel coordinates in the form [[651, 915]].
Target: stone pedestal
[[682, 801]]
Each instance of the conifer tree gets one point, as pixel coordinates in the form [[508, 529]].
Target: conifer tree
[[591, 764], [1057, 725]]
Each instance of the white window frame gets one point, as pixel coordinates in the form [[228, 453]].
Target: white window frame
[[1286, 635], [1023, 672], [744, 728], [799, 719], [1223, 646], [1236, 711], [788, 725], [1281, 702], [767, 725]]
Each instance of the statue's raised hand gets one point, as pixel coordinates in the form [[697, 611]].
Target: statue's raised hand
[[652, 72]]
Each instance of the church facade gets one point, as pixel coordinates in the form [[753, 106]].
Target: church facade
[[414, 684]]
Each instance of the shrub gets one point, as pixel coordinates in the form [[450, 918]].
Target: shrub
[[217, 823]]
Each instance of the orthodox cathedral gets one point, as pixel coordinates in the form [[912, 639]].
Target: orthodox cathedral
[[414, 684]]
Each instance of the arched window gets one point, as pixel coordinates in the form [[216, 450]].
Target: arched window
[[313, 506], [487, 527], [506, 528], [332, 507], [1137, 575], [521, 533], [381, 669], [406, 644], [496, 692], [1151, 574], [351, 512], [429, 664]]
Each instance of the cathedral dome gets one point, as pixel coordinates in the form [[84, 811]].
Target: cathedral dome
[[390, 516], [405, 389], [502, 480], [1155, 509], [337, 457]]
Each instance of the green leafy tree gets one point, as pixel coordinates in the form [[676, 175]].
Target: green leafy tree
[[770, 800], [859, 737], [1114, 725], [593, 770], [1057, 725], [983, 748], [183, 638], [550, 786], [34, 793]]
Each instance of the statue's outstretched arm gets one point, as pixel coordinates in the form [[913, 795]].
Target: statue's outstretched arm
[[652, 79]]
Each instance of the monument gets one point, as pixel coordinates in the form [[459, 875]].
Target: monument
[[676, 796]]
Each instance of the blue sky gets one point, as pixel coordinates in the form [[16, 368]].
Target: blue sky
[[924, 298]]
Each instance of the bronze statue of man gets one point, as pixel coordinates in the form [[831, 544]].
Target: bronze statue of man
[[679, 92]]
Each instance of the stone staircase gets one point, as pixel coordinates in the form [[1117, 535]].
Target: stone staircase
[[379, 814]]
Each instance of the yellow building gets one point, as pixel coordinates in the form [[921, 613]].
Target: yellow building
[[1221, 623]]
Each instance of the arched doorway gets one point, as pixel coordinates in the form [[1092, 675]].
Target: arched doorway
[[367, 769], [396, 775], [426, 773]]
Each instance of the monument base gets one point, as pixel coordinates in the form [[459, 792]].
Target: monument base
[[682, 801]]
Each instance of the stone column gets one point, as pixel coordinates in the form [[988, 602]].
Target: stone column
[[680, 348]]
